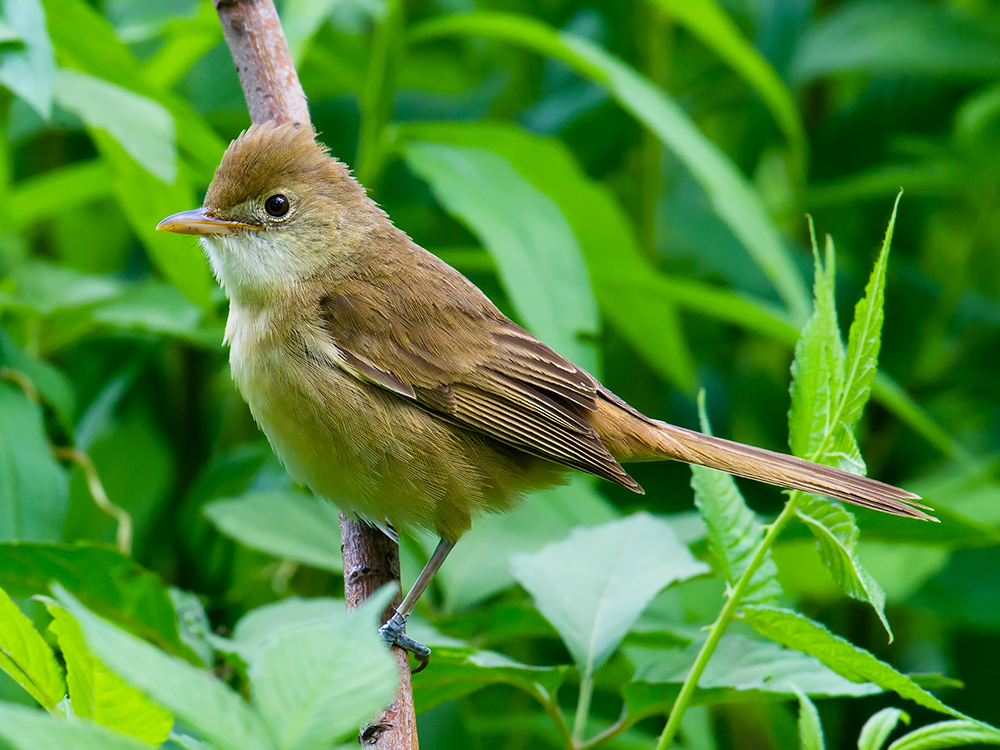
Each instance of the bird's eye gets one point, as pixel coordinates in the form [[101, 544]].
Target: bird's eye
[[276, 205]]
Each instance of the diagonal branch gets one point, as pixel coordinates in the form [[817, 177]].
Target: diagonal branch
[[273, 92]]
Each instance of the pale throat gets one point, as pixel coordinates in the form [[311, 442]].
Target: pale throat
[[254, 267]]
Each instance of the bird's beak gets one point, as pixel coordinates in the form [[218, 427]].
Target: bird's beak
[[200, 221]]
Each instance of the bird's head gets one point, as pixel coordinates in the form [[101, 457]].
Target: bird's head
[[279, 210]]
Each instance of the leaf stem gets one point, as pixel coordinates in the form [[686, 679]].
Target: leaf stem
[[721, 623], [123, 537], [583, 705], [551, 706]]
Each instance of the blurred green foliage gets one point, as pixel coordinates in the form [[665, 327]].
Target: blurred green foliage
[[629, 181]]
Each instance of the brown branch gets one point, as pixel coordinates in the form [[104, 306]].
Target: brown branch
[[371, 560]]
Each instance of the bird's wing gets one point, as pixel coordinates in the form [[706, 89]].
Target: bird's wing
[[449, 350]]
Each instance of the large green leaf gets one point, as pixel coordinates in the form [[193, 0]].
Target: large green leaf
[[52, 385], [27, 658], [594, 585], [740, 670], [731, 195], [713, 27], [799, 632], [288, 525], [648, 321], [33, 486], [27, 729], [28, 68], [898, 37], [319, 682], [536, 252], [103, 579], [142, 127], [100, 695], [479, 567], [459, 671], [734, 532], [51, 193], [196, 697]]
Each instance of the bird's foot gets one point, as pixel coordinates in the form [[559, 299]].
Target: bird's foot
[[394, 634]]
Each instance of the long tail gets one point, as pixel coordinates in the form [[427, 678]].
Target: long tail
[[645, 439]]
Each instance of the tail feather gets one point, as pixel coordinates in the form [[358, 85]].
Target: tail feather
[[784, 471]]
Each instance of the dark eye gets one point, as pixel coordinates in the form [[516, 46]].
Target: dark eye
[[276, 205]]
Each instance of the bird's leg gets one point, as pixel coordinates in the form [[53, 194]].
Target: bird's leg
[[393, 632]]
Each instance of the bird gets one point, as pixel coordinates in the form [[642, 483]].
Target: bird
[[389, 384]]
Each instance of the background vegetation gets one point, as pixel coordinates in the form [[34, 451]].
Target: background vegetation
[[630, 181]]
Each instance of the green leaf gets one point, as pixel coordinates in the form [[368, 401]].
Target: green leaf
[[288, 525], [479, 567], [145, 200], [155, 307], [731, 195], [648, 321], [103, 579], [810, 727], [48, 288], [461, 671], [262, 624], [946, 734], [878, 728], [594, 585], [318, 683], [28, 69], [301, 20], [98, 694], [194, 696], [538, 256], [895, 37], [57, 191], [733, 529], [33, 486], [740, 670], [52, 385], [27, 658], [28, 729], [713, 27], [142, 127], [799, 632], [865, 338]]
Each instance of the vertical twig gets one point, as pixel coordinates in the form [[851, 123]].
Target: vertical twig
[[273, 92]]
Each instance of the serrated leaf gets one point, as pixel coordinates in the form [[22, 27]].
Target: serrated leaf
[[194, 696], [741, 669], [797, 631], [27, 729], [947, 734], [98, 694], [733, 529], [318, 683], [593, 585], [810, 727], [102, 578], [878, 728], [288, 525], [865, 337], [27, 658]]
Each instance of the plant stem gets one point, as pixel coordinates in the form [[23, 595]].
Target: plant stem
[[583, 705], [551, 706], [376, 100], [721, 623]]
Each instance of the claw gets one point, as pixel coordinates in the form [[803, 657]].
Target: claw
[[394, 634]]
